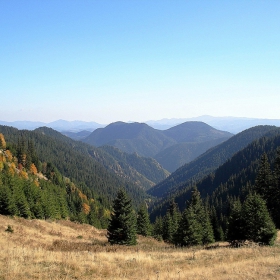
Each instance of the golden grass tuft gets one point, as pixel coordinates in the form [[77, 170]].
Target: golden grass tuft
[[65, 250]]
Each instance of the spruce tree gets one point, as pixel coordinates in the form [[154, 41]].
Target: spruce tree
[[257, 223], [189, 232], [235, 224], [167, 227], [195, 227], [122, 225], [264, 179], [275, 196], [158, 228], [208, 233], [143, 221]]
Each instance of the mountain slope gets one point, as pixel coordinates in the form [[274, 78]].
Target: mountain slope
[[195, 132], [74, 161], [208, 162], [144, 172], [232, 179], [131, 137], [146, 141], [177, 155]]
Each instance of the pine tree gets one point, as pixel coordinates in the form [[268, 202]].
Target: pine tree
[[235, 225], [257, 223], [167, 227], [189, 232], [170, 222], [158, 228], [275, 196], [264, 179], [217, 228], [143, 221], [208, 233], [195, 227], [122, 225]]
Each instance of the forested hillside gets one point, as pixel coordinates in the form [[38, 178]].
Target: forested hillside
[[30, 188], [178, 155], [131, 137], [238, 201], [75, 162], [208, 162], [144, 172], [254, 169]]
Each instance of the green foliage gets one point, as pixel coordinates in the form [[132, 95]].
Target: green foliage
[[257, 223], [170, 222], [195, 227], [177, 155], [122, 225], [190, 229], [81, 163], [158, 228], [235, 226], [143, 221], [146, 171], [207, 163]]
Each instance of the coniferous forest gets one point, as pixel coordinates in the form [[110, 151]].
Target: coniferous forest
[[46, 175]]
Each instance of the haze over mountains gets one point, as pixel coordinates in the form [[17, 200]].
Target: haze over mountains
[[230, 124], [172, 147], [221, 165]]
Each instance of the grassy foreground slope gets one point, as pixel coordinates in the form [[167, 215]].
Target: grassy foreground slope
[[40, 249]]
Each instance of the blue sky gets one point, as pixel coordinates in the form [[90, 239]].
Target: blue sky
[[108, 61]]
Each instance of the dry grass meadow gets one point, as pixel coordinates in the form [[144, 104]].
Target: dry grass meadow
[[65, 250]]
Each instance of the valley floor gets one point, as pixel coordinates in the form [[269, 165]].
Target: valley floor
[[64, 250]]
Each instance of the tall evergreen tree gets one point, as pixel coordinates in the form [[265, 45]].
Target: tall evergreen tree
[[257, 223], [263, 181], [189, 232], [122, 225], [275, 196], [235, 229], [143, 221], [170, 222], [195, 227], [158, 228]]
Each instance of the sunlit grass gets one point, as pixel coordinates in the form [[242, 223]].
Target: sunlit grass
[[64, 250]]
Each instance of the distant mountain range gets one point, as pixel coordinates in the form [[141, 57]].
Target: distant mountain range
[[171, 148], [59, 125], [231, 124]]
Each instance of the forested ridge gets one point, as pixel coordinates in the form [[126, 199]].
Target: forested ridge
[[45, 174], [250, 177], [171, 148], [208, 162], [30, 188], [78, 162]]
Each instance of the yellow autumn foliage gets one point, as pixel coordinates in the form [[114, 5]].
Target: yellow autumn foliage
[[86, 208], [33, 169], [82, 196], [9, 155], [2, 142], [23, 174]]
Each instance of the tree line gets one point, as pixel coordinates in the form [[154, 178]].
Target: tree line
[[253, 217]]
